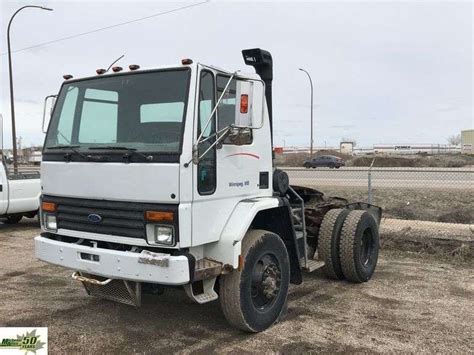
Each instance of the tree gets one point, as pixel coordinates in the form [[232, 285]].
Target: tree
[[351, 140], [455, 139]]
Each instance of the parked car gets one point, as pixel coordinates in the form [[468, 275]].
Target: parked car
[[324, 161]]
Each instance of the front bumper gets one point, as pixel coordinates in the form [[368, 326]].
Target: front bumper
[[126, 265]]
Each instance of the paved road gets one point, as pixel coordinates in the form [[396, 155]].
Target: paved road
[[433, 178], [413, 304]]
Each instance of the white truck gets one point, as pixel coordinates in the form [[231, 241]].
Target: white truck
[[165, 177], [20, 190], [19, 194]]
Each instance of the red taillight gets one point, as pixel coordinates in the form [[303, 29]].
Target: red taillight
[[244, 103]]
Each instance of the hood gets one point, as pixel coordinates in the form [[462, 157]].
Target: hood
[[135, 182]]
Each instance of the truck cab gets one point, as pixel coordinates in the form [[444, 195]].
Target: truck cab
[[155, 177]]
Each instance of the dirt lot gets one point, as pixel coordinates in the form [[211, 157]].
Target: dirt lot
[[414, 303]]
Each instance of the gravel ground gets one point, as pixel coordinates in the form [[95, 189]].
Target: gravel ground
[[414, 303]]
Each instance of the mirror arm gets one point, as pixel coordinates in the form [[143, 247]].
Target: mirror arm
[[197, 158]]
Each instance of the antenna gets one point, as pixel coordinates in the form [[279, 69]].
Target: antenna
[[116, 60]]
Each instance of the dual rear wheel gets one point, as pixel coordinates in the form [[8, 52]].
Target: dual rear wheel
[[349, 245]]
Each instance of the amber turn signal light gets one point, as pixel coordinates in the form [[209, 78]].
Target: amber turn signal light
[[48, 206], [158, 216], [244, 103]]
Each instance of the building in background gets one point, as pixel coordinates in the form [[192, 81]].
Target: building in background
[[467, 141], [346, 148]]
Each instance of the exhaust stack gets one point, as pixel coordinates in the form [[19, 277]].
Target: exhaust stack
[[262, 61]]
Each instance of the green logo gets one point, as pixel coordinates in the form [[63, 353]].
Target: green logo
[[30, 342]]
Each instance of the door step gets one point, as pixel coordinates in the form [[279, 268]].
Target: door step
[[312, 265], [208, 294]]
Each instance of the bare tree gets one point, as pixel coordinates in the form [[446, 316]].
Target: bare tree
[[351, 140], [455, 139]]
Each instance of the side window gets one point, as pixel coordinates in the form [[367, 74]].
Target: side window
[[65, 125], [99, 117], [207, 166], [226, 109]]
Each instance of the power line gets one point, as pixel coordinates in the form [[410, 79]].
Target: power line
[[108, 27]]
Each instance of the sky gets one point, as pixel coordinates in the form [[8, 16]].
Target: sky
[[383, 71]]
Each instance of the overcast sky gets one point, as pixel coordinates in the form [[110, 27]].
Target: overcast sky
[[384, 71]]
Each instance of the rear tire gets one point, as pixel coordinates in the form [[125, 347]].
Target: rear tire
[[254, 298], [328, 242], [13, 219], [359, 246]]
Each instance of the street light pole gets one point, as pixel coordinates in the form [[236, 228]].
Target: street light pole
[[10, 70], [311, 82]]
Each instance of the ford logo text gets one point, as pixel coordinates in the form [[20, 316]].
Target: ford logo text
[[94, 218]]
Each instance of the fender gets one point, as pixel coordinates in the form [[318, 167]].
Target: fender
[[256, 213]]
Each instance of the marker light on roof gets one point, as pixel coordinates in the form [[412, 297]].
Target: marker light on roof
[[133, 67], [67, 76], [186, 61], [116, 69], [100, 71]]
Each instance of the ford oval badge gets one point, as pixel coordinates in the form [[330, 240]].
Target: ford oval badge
[[94, 218]]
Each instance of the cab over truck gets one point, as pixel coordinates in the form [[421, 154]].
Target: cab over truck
[[165, 177]]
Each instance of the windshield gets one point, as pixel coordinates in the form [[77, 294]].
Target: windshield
[[143, 112]]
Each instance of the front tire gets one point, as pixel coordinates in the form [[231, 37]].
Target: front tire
[[13, 219], [254, 298], [359, 246]]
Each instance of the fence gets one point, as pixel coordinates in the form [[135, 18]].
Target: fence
[[422, 200]]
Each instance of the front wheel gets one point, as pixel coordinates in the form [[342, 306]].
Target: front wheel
[[13, 219], [254, 298]]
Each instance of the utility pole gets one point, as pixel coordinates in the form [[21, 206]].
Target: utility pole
[[311, 83], [10, 70]]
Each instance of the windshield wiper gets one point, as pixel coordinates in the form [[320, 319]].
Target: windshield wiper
[[130, 151], [71, 147]]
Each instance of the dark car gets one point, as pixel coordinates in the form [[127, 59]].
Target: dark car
[[324, 161]]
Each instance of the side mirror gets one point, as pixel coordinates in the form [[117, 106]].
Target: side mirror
[[248, 98], [49, 101]]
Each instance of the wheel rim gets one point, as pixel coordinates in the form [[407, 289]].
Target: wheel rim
[[367, 246], [266, 282]]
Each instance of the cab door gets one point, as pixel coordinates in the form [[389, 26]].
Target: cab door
[[228, 173]]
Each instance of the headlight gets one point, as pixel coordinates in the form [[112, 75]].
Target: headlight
[[164, 234], [49, 222], [160, 234]]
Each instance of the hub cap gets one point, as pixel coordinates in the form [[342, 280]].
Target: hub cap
[[366, 247], [266, 281]]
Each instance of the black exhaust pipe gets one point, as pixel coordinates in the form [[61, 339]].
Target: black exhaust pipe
[[262, 61]]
